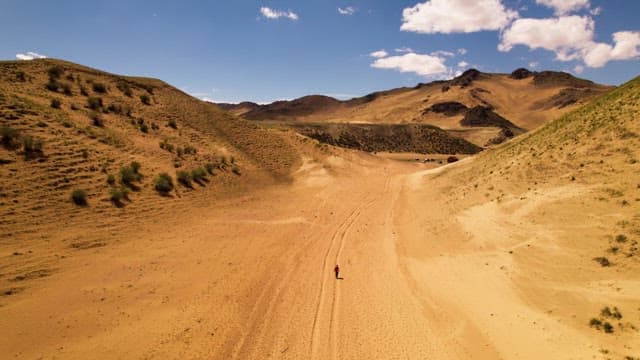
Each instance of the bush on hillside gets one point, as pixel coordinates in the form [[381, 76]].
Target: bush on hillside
[[79, 197], [125, 88], [52, 86], [172, 124], [33, 148], [99, 88], [56, 103], [10, 137], [96, 119], [66, 88], [184, 178], [199, 175], [94, 102], [128, 176], [145, 99], [118, 195], [164, 183], [210, 167], [55, 72]]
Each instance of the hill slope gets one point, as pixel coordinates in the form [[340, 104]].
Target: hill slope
[[91, 125], [524, 99]]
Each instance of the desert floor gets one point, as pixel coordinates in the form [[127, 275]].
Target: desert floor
[[426, 273]]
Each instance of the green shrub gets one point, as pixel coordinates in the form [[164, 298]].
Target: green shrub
[[144, 128], [118, 195], [32, 147], [608, 328], [125, 88], [115, 108], [172, 124], [52, 86], [56, 103], [99, 88], [199, 174], [165, 145], [128, 176], [83, 91], [97, 119], [190, 150], [66, 89], [184, 178], [145, 99], [79, 197], [55, 72], [111, 180], [236, 170], [164, 183], [135, 166], [10, 137], [94, 102], [621, 238], [21, 76], [210, 167]]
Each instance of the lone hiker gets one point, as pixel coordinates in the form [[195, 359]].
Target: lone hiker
[[337, 271]]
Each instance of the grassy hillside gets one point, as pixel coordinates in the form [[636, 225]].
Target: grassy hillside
[[69, 129]]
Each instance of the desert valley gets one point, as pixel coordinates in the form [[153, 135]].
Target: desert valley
[[139, 222]]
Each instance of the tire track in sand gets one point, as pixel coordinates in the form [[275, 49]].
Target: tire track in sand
[[341, 234]]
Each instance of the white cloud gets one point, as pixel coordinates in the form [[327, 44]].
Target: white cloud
[[443, 53], [558, 34], [578, 69], [456, 16], [462, 51], [463, 64], [533, 64], [424, 65], [30, 56], [349, 10], [379, 54], [276, 14], [563, 7], [571, 38], [404, 49]]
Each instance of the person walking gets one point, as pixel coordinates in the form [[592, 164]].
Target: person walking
[[337, 271]]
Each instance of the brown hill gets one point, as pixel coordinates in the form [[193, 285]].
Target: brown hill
[[69, 128], [526, 99]]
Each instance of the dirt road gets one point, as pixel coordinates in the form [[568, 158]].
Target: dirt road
[[252, 278]]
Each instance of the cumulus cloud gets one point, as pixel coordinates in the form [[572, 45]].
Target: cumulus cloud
[[533, 64], [276, 14], [563, 7], [421, 64], [456, 16], [462, 51], [30, 56], [379, 54], [463, 64], [349, 10], [578, 69], [571, 38]]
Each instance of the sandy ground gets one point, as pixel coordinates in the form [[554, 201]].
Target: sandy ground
[[424, 276]]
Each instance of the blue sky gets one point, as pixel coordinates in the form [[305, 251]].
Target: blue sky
[[268, 50]]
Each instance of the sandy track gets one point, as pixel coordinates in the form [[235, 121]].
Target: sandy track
[[251, 278]]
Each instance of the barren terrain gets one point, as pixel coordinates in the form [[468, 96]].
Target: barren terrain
[[497, 256]]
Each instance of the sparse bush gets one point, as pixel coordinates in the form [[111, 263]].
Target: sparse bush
[[52, 86], [115, 108], [125, 88], [136, 166], [210, 167], [621, 238], [165, 145], [66, 89], [71, 78], [85, 153], [55, 72], [607, 327], [607, 312], [42, 124], [190, 150], [99, 88], [32, 147], [236, 170], [145, 99], [164, 183], [179, 151], [118, 195], [111, 180], [10, 137], [97, 119], [596, 323], [83, 91], [184, 178], [79, 197], [603, 261], [56, 103], [21, 76], [94, 102], [199, 175], [155, 126], [128, 176], [172, 124], [144, 128]]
